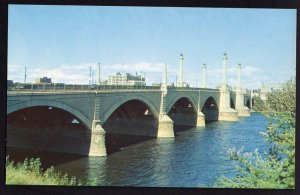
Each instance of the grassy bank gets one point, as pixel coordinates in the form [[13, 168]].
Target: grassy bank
[[30, 172]]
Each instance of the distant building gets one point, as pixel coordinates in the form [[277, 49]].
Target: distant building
[[256, 92], [127, 79], [43, 80], [269, 87]]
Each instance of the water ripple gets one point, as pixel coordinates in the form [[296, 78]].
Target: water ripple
[[196, 157]]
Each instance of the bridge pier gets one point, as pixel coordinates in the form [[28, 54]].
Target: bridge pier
[[165, 126], [165, 123], [200, 119], [200, 116], [97, 145], [226, 113], [241, 109]]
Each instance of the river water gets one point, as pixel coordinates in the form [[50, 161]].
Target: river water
[[195, 157]]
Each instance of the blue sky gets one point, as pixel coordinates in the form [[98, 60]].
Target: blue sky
[[62, 42]]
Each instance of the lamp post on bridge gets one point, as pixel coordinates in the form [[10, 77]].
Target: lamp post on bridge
[[204, 75], [180, 72], [98, 78], [225, 71], [240, 96], [226, 113], [90, 76], [239, 76]]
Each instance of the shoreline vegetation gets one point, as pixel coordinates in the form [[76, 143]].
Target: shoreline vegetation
[[29, 172]]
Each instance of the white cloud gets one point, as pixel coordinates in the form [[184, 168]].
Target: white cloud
[[250, 77], [79, 74], [15, 72]]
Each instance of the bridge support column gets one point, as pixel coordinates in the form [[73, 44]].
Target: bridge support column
[[226, 113], [165, 126], [97, 145], [240, 107], [200, 115], [200, 119], [165, 123]]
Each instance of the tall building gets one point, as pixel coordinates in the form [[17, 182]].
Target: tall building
[[127, 79]]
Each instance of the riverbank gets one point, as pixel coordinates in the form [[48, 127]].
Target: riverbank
[[30, 172]]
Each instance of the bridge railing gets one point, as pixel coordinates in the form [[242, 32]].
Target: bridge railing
[[244, 90], [29, 87], [189, 88], [75, 87], [233, 89]]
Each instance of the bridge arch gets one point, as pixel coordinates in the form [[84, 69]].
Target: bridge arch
[[123, 100], [248, 104], [50, 103], [133, 115], [174, 100], [206, 97], [210, 109], [232, 103], [182, 110]]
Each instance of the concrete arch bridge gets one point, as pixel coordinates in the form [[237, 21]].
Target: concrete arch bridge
[[148, 112]]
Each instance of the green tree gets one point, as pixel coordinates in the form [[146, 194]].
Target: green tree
[[277, 168], [259, 104]]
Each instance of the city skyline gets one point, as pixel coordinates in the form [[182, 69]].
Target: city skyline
[[62, 42]]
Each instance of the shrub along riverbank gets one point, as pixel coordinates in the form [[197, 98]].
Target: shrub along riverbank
[[30, 172]]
